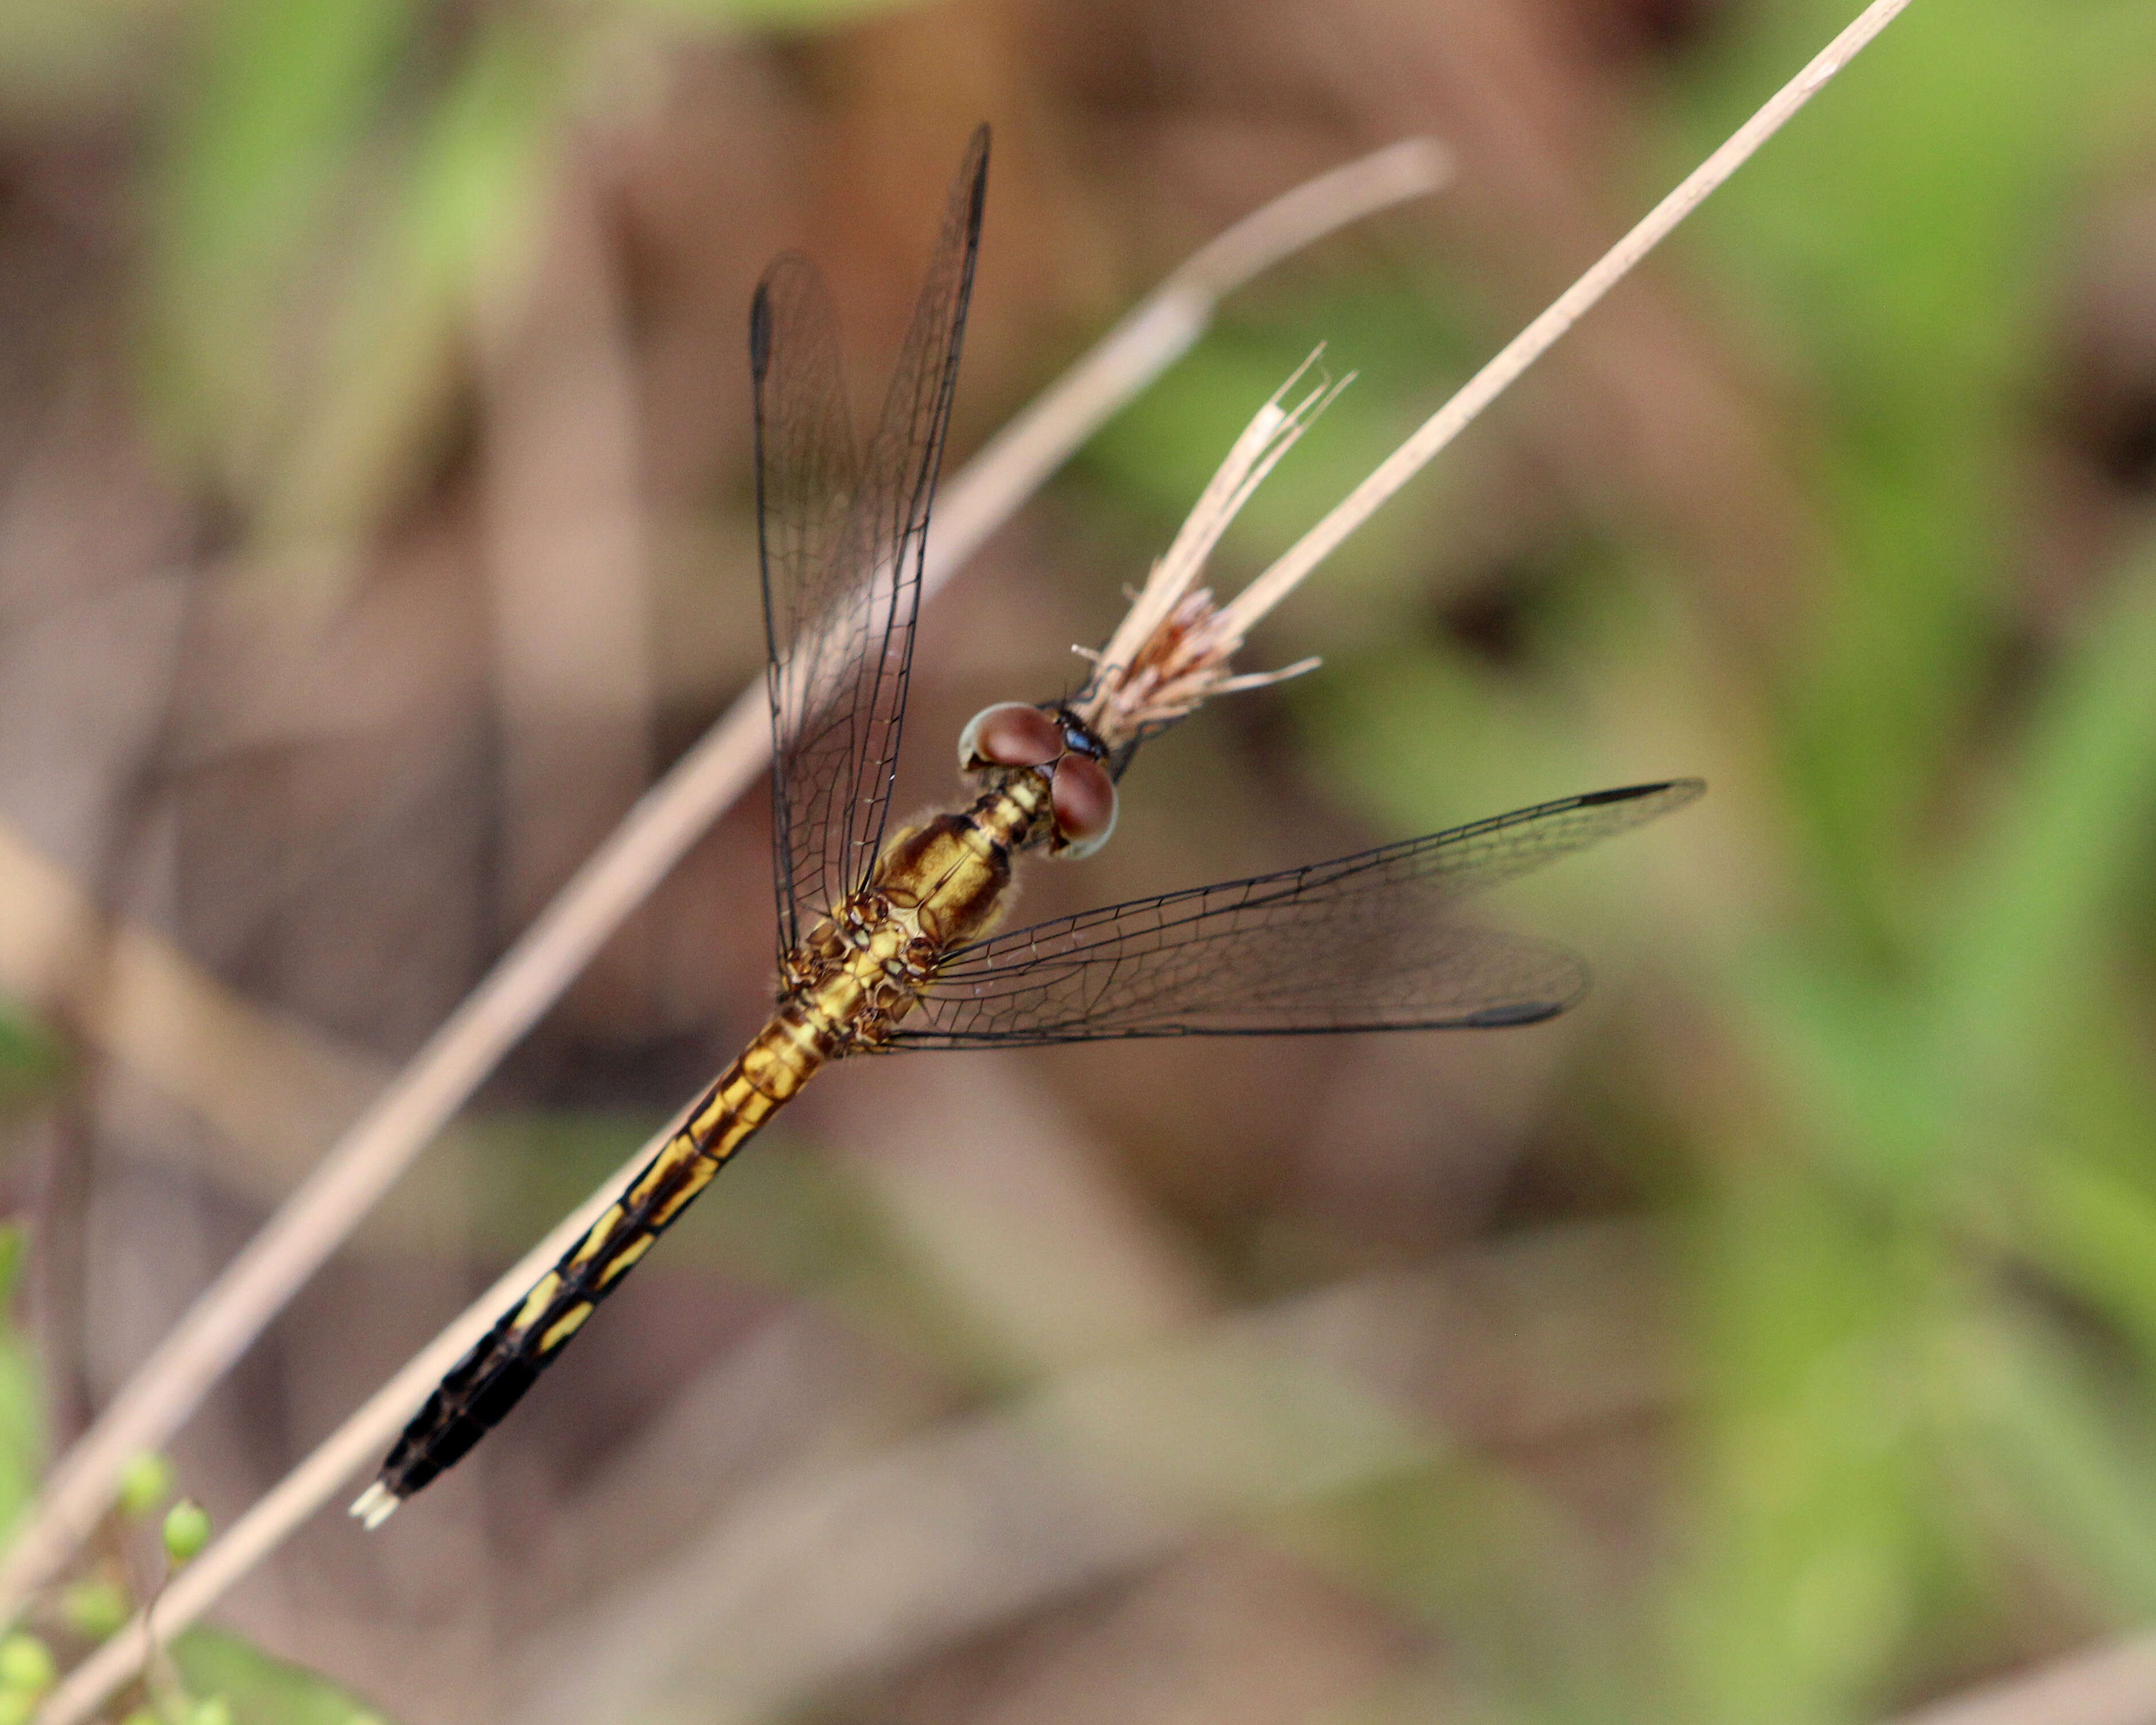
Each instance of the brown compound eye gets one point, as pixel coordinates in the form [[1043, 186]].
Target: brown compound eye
[[1008, 734], [1083, 797]]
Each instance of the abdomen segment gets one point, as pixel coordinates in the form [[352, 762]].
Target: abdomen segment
[[491, 1379]]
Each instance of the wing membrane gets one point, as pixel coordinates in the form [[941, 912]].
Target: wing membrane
[[1356, 943], [842, 538]]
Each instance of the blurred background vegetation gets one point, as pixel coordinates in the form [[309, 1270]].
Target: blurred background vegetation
[[1773, 1339]]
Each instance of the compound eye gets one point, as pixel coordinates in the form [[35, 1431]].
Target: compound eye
[[1083, 799], [1008, 734]]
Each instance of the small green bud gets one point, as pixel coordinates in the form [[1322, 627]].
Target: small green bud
[[145, 1483], [96, 1609], [186, 1530], [213, 1710], [25, 1664]]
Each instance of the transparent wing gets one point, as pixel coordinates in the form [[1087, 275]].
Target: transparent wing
[[808, 473], [1354, 944], [842, 539]]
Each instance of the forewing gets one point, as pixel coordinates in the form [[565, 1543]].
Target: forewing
[[808, 473], [842, 546], [1358, 943]]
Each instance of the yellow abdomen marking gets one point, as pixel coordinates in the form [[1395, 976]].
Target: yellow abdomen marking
[[564, 1326], [602, 1232], [695, 1181], [677, 1152], [538, 1300], [626, 1257]]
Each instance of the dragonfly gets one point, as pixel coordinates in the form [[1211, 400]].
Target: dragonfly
[[887, 946]]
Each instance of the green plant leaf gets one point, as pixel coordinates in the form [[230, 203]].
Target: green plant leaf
[[262, 1691], [22, 1422]]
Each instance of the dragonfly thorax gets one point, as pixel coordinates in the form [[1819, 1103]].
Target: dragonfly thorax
[[936, 887], [857, 973]]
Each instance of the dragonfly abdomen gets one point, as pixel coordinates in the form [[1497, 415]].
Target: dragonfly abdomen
[[492, 1378]]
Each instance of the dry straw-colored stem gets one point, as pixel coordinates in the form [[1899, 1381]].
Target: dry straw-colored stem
[[2114, 1684], [1524, 349], [737, 743], [378, 1146]]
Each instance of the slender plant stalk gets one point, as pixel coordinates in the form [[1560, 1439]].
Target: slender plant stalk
[[378, 1146], [2113, 1683], [352, 1446], [1536, 339]]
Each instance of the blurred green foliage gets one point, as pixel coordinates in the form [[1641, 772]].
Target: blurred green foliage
[[22, 1392], [344, 182], [326, 211], [256, 1690], [95, 1606], [31, 1063], [145, 1484]]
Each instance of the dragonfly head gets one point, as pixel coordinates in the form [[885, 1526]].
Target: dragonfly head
[[1055, 743]]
